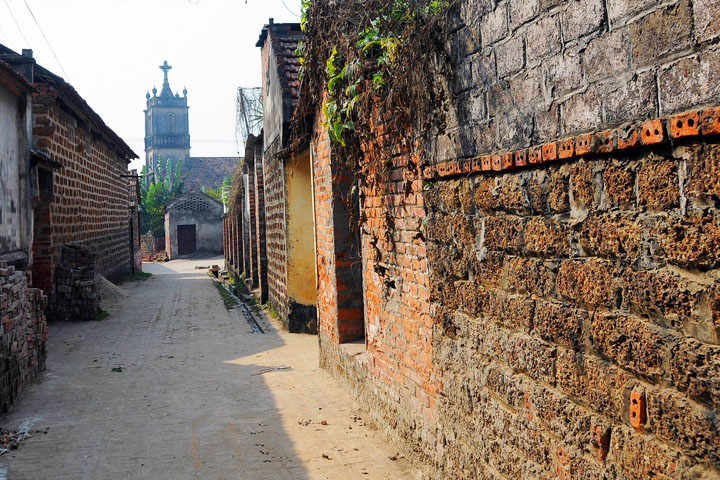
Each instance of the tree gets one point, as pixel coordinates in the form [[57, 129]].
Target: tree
[[221, 193], [157, 192]]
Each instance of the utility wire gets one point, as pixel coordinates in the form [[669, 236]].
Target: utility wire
[[288, 9], [16, 23], [67, 77]]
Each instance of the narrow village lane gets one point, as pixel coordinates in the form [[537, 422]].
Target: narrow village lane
[[174, 386]]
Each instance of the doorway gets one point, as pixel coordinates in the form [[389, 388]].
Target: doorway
[[187, 240]]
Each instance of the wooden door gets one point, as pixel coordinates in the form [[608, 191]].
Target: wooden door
[[186, 239]]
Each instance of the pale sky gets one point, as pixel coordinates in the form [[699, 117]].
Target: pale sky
[[111, 51]]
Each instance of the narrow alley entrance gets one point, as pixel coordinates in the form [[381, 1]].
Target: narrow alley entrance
[[173, 386]]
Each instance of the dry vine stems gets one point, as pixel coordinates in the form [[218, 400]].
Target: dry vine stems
[[376, 66]]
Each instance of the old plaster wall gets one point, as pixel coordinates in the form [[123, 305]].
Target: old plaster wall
[[16, 209], [301, 240], [556, 317]]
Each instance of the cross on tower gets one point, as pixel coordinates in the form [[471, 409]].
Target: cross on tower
[[165, 68]]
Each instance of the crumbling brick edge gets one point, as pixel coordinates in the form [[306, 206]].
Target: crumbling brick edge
[[682, 126]]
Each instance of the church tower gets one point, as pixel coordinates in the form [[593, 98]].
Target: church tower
[[167, 131]]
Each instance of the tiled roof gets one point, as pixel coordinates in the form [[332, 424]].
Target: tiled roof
[[209, 171], [77, 104]]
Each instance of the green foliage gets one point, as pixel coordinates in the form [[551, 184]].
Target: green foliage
[[221, 193], [300, 51], [158, 192]]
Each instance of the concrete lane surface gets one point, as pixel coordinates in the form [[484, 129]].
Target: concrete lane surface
[[172, 385]]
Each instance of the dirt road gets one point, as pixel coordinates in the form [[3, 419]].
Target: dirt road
[[174, 386]]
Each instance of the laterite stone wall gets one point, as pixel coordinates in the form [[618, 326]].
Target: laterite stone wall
[[90, 200]]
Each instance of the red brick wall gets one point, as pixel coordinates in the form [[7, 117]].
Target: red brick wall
[[90, 202], [260, 244]]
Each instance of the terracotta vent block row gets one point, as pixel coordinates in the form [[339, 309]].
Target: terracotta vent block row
[[651, 132]]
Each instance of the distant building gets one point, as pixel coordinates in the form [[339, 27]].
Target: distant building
[[193, 222], [167, 138]]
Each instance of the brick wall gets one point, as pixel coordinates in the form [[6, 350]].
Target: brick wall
[[260, 244], [23, 331], [276, 242], [552, 313], [90, 196]]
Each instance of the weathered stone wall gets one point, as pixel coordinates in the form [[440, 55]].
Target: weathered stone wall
[[23, 331], [90, 197], [551, 313], [529, 71]]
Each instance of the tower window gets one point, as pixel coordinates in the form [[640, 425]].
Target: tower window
[[171, 122]]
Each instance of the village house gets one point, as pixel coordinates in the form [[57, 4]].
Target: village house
[[536, 284], [86, 202], [193, 222], [23, 331]]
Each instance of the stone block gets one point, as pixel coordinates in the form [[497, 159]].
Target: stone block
[[546, 237], [494, 26], [530, 276], [581, 18], [547, 124], [658, 186], [583, 188], [631, 343], [484, 70], [619, 185], [593, 381], [620, 10], [590, 284], [559, 323], [543, 39], [630, 99], [563, 72], [695, 369], [706, 16], [611, 235], [691, 426], [503, 233], [522, 11], [582, 112], [703, 179], [661, 33], [510, 56], [692, 242]]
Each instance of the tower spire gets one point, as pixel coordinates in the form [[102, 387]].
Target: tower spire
[[166, 85]]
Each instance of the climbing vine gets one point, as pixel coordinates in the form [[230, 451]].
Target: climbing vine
[[364, 57]]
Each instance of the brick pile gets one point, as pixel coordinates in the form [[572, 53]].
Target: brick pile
[[23, 333], [76, 297]]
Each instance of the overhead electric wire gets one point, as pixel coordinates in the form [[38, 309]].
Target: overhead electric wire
[[16, 23], [288, 9], [67, 77]]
